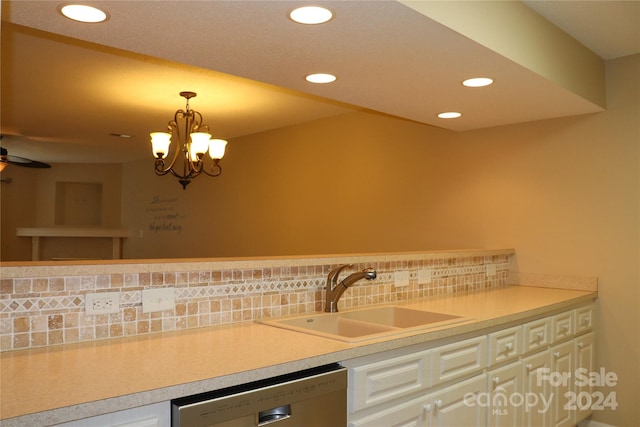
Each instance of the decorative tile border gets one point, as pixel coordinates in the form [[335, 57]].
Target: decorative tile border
[[43, 311]]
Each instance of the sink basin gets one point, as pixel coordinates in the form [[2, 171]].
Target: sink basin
[[364, 324], [398, 317], [334, 325]]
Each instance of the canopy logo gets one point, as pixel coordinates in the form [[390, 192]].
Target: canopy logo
[[501, 400]]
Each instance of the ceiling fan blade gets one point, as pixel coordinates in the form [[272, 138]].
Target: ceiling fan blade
[[21, 161], [27, 163]]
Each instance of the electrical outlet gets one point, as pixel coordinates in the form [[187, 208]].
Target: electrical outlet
[[424, 276], [401, 279], [102, 303], [491, 270], [159, 299]]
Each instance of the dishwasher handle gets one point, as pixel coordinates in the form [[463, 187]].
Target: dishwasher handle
[[274, 415]]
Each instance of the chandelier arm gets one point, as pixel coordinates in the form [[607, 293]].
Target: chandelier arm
[[193, 124], [196, 118], [216, 169]]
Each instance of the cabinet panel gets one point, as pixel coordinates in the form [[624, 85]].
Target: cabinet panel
[[584, 319], [585, 353], [562, 326], [454, 405], [561, 379], [504, 345], [386, 380], [459, 359], [537, 335], [155, 415], [537, 411], [409, 414], [504, 390]]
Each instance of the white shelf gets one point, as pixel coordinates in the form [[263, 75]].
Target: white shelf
[[36, 233]]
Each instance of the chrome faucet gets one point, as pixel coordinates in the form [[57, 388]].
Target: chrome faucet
[[335, 289]]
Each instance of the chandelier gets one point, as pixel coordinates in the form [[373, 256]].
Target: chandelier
[[194, 141]]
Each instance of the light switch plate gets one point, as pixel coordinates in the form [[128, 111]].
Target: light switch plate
[[401, 279], [491, 270], [424, 276], [159, 299]]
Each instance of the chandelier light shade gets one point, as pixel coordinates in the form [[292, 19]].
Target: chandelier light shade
[[193, 142]]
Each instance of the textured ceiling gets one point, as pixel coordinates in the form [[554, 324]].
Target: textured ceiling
[[67, 86]]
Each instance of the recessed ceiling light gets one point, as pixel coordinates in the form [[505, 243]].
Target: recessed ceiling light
[[83, 13], [478, 82], [121, 135], [311, 15], [450, 115], [320, 78]]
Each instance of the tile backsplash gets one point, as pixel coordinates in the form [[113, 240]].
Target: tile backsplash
[[44, 306]]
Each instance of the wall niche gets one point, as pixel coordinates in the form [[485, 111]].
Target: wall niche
[[78, 204]]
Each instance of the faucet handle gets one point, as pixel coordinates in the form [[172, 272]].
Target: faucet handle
[[333, 274]]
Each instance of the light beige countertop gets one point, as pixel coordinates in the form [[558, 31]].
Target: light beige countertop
[[62, 383]]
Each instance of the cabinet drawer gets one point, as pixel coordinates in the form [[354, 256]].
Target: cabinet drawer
[[562, 326], [584, 319], [537, 335], [385, 380], [459, 359], [505, 345], [410, 413]]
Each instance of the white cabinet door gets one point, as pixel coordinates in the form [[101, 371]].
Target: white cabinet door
[[537, 410], [408, 414], [504, 396], [561, 378], [585, 352], [458, 405]]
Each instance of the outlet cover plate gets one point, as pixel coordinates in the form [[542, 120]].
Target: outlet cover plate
[[401, 279], [102, 303], [159, 299], [424, 276]]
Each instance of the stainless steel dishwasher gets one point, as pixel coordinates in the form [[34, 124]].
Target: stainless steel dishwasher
[[315, 397]]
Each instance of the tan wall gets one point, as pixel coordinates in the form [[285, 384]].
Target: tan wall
[[30, 201], [18, 209], [109, 175], [565, 194], [360, 182]]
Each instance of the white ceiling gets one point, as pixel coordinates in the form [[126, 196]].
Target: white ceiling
[[67, 86], [609, 28]]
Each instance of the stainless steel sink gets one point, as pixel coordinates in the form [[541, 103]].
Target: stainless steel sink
[[364, 324]]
